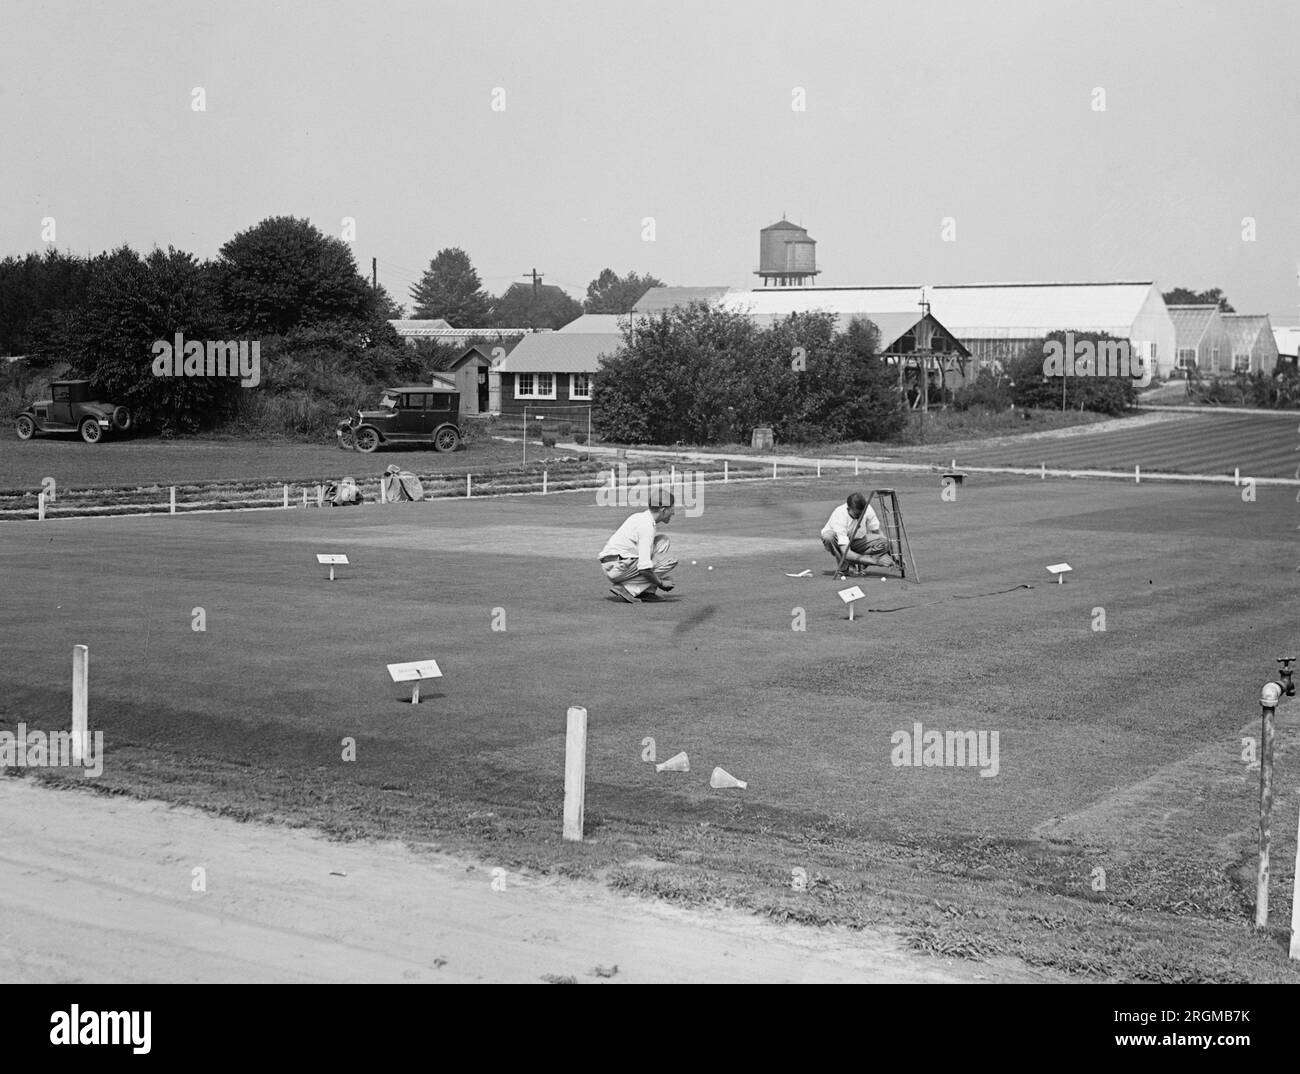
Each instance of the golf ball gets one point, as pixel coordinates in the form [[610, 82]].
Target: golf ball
[[692, 563], [710, 568]]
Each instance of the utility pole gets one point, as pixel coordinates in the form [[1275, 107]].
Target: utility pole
[[374, 273], [532, 312]]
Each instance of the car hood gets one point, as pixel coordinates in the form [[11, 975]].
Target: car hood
[[378, 415]]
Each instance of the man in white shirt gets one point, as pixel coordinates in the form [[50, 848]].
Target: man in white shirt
[[636, 559], [853, 533]]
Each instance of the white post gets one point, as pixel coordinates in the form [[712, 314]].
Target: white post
[[467, 487], [819, 468], [320, 495], [1295, 902], [331, 572], [774, 469], [304, 497], [544, 478], [286, 495], [1236, 476], [575, 773], [855, 466], [40, 507], [725, 475], [383, 492], [851, 611], [1137, 475], [611, 477], [80, 702], [415, 693], [1044, 465], [672, 477], [173, 505], [1268, 704]]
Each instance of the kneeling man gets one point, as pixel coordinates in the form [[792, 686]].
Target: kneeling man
[[845, 535], [636, 559]]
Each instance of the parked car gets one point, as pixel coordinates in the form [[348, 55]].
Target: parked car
[[73, 409], [413, 414]]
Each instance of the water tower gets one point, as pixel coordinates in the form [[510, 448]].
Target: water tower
[[787, 257]]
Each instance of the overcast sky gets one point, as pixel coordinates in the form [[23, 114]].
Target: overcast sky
[[615, 112]]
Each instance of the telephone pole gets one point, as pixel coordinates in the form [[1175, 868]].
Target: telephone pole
[[532, 309]]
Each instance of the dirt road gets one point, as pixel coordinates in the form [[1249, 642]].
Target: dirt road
[[98, 888]]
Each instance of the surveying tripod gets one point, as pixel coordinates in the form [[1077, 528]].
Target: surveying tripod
[[894, 532]]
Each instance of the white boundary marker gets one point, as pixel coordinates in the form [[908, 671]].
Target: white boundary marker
[[286, 496], [575, 773], [415, 671], [331, 560], [1059, 570], [80, 702], [40, 507], [172, 506]]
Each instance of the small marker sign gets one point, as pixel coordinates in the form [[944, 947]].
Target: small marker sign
[[415, 671], [332, 560], [849, 596], [1059, 570]]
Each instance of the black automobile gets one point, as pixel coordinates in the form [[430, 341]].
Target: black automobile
[[73, 409], [408, 415]]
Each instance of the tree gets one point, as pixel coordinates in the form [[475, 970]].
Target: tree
[[550, 307], [703, 375], [132, 302], [451, 289], [1033, 388], [37, 292], [284, 273], [1185, 296], [610, 293]]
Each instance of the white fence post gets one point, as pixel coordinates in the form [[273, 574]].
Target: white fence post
[[80, 702], [575, 773]]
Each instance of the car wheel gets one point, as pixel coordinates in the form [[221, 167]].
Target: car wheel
[[121, 419], [90, 431], [367, 440], [446, 439], [26, 427], [347, 441]]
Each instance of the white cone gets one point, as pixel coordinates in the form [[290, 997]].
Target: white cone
[[677, 763], [722, 778]]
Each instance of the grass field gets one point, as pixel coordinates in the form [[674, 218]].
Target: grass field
[[1120, 750]]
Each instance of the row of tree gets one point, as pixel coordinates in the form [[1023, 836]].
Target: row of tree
[[451, 289]]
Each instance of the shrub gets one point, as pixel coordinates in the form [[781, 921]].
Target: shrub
[[986, 392], [548, 440], [477, 428], [563, 430], [579, 438]]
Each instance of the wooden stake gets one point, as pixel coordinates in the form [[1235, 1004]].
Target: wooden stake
[[774, 469], [320, 495], [383, 491], [544, 480], [40, 507], [1137, 475], [173, 505], [1265, 814], [575, 773], [725, 474], [819, 468], [855, 466], [1295, 902], [1044, 465], [304, 497], [286, 495], [80, 702], [467, 486]]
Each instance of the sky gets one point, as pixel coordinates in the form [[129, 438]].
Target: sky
[[980, 116]]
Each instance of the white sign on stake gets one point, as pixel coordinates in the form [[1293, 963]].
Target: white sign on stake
[[415, 671], [332, 560], [849, 596], [1059, 570]]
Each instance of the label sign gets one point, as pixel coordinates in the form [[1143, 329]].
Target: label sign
[[415, 669], [1060, 568], [851, 594], [331, 559]]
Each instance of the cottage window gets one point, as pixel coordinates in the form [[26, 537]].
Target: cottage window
[[579, 385]]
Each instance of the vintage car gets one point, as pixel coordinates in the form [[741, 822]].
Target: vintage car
[[73, 409], [417, 413]]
